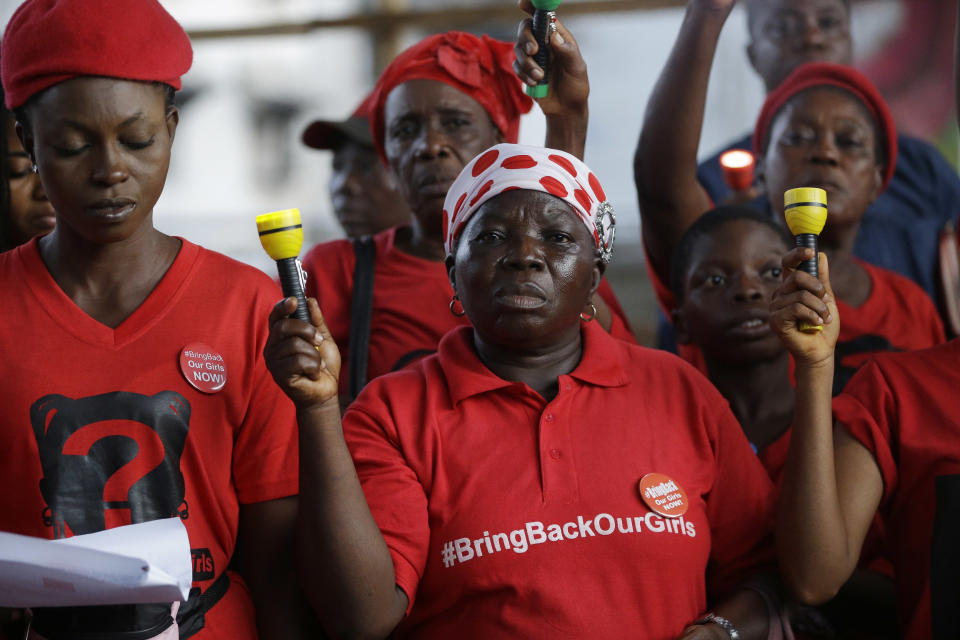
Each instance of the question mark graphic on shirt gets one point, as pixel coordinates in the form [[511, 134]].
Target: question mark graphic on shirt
[[147, 451], [110, 453]]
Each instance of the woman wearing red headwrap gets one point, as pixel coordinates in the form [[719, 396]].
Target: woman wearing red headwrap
[[826, 126], [109, 326], [436, 106], [535, 478]]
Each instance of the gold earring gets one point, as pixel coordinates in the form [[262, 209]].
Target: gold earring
[[454, 301], [593, 313]]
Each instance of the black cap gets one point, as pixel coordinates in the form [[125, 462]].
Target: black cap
[[329, 134]]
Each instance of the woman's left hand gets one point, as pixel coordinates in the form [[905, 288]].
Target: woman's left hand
[[567, 75], [803, 298]]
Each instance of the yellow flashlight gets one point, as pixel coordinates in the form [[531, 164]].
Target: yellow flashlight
[[805, 209], [281, 234]]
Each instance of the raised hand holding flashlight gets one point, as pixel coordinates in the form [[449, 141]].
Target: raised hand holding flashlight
[[544, 26], [805, 209], [565, 104], [281, 234]]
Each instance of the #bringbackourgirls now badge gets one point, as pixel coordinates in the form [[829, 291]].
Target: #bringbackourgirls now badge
[[662, 495], [203, 367]]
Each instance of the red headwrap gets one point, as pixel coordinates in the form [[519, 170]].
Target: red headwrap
[[49, 41], [481, 68], [820, 74]]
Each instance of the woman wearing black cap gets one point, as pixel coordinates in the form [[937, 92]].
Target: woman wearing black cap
[[362, 190]]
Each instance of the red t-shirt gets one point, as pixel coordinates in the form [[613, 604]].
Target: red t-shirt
[[510, 516], [80, 400], [411, 303], [903, 408], [897, 316]]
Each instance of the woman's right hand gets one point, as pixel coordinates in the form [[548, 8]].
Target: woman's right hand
[[569, 82], [802, 297], [302, 358]]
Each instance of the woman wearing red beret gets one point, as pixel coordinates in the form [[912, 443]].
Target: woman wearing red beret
[[535, 478], [436, 106], [133, 385], [825, 126]]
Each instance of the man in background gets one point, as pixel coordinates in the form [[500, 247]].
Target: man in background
[[362, 189]]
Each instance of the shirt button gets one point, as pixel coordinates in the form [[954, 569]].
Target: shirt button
[[568, 387], [555, 454], [549, 417]]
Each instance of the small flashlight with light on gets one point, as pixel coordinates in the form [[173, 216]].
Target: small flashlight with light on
[[737, 167]]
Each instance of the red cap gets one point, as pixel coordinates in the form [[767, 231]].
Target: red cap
[[49, 41], [482, 68], [820, 74]]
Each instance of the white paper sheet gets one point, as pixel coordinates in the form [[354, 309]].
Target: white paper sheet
[[146, 562]]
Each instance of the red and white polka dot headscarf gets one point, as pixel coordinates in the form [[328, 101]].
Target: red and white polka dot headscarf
[[514, 166]]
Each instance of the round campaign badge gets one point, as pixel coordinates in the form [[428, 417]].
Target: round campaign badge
[[662, 495], [203, 367]]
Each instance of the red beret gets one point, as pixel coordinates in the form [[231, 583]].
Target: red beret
[[482, 68], [49, 41], [820, 74]]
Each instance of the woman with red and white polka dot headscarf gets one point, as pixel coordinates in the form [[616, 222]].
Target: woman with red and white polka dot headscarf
[[506, 167], [535, 477]]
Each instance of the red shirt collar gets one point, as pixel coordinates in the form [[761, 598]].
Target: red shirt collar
[[601, 365]]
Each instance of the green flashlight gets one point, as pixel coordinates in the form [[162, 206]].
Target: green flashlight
[[544, 19]]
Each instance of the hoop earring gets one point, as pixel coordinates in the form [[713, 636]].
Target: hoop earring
[[593, 314], [454, 301], [34, 168]]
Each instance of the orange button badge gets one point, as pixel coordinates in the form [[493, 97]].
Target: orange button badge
[[662, 495], [203, 367]]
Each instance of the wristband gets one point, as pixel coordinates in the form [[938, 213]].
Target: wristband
[[721, 622]]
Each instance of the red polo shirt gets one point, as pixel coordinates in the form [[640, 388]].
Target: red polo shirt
[[507, 515]]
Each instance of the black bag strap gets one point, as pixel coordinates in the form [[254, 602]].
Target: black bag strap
[[102, 622], [192, 613], [128, 621], [361, 313]]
